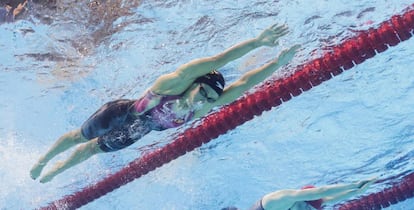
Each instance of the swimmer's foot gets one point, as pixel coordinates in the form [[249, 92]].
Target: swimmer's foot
[[36, 170], [47, 178], [52, 173]]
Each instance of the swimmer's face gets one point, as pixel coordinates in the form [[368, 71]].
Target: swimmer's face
[[207, 93], [202, 93]]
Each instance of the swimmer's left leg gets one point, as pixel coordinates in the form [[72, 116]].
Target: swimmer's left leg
[[65, 142], [82, 153]]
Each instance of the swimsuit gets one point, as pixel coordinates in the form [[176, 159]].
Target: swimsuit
[[117, 126], [163, 114]]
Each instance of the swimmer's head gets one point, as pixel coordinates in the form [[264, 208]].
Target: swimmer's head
[[213, 79]]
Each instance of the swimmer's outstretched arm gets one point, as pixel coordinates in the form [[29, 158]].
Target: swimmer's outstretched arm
[[360, 188], [286, 198], [248, 80], [179, 80], [255, 76]]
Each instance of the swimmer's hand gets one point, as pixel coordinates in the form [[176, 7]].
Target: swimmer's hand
[[287, 55], [269, 37], [362, 186]]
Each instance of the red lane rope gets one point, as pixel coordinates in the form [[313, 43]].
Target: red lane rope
[[398, 192], [344, 56]]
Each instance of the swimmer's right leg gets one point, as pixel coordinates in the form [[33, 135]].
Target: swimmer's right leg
[[82, 153], [62, 144]]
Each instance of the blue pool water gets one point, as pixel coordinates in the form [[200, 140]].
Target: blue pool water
[[58, 65]]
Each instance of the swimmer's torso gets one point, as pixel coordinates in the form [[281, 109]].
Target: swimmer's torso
[[163, 110]]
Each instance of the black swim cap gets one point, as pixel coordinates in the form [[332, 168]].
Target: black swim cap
[[213, 79]]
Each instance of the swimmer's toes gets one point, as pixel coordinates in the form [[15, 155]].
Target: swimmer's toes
[[36, 170], [34, 177], [46, 179], [34, 174]]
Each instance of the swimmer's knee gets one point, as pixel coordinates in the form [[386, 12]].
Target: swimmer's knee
[[91, 147], [78, 137], [96, 147]]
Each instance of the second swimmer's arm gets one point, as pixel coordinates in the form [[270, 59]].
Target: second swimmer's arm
[[361, 187], [183, 77], [339, 191]]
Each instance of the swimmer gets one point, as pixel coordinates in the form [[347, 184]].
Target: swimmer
[[10, 10], [310, 197], [188, 93]]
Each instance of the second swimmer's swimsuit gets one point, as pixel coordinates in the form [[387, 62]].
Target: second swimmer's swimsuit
[[117, 127]]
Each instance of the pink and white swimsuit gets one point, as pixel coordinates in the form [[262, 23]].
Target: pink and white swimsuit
[[163, 114]]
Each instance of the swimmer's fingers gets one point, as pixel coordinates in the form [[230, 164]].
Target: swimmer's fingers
[[287, 55], [290, 51], [279, 34], [279, 29], [270, 36], [368, 182], [365, 184], [296, 47], [283, 33]]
